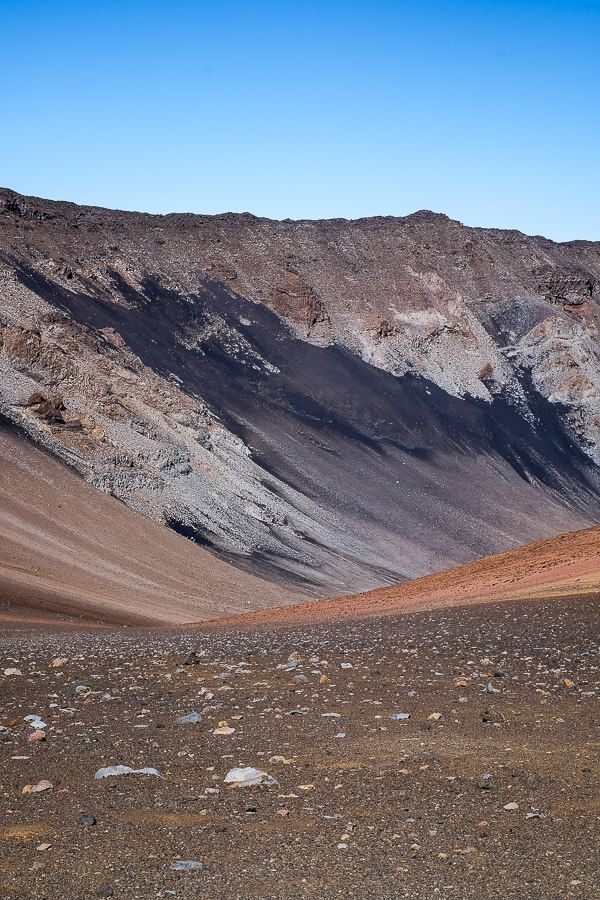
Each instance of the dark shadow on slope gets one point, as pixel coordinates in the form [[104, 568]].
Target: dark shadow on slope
[[396, 454]]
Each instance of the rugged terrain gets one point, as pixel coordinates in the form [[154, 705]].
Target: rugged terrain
[[486, 788], [68, 549], [202, 418], [332, 405]]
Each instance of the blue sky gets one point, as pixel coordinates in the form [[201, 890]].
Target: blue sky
[[488, 111]]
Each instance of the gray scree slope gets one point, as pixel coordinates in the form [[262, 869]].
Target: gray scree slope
[[333, 405]]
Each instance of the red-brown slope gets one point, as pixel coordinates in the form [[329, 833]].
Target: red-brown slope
[[67, 548], [564, 566]]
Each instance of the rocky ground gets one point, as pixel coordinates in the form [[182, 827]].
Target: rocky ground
[[487, 790]]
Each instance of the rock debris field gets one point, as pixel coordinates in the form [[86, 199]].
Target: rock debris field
[[449, 754]]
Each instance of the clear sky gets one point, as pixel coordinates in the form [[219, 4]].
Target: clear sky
[[487, 111]]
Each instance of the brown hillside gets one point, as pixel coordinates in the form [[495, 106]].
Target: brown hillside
[[67, 548], [564, 566]]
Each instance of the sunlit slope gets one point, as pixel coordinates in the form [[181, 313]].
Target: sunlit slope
[[65, 547], [564, 566]]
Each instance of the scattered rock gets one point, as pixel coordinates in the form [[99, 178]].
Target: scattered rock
[[87, 819], [248, 777], [108, 771], [186, 865], [490, 716], [38, 788], [193, 718], [223, 728], [35, 722]]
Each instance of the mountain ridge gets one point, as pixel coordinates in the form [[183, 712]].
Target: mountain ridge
[[418, 215]]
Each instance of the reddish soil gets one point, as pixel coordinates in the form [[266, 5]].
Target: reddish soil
[[560, 567]]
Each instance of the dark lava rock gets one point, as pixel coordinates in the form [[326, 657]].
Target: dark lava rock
[[490, 716], [87, 819]]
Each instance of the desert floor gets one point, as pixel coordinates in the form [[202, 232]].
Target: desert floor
[[488, 789]]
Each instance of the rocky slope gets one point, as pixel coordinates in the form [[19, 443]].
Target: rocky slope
[[68, 550], [335, 405], [565, 567]]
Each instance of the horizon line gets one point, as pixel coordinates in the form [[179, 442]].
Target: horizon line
[[423, 213]]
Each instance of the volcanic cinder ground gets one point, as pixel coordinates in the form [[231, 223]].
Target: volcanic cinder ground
[[488, 790], [485, 786]]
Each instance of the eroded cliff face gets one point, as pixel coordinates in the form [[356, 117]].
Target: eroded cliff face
[[333, 404]]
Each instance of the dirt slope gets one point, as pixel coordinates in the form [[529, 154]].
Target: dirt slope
[[561, 567], [67, 548]]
